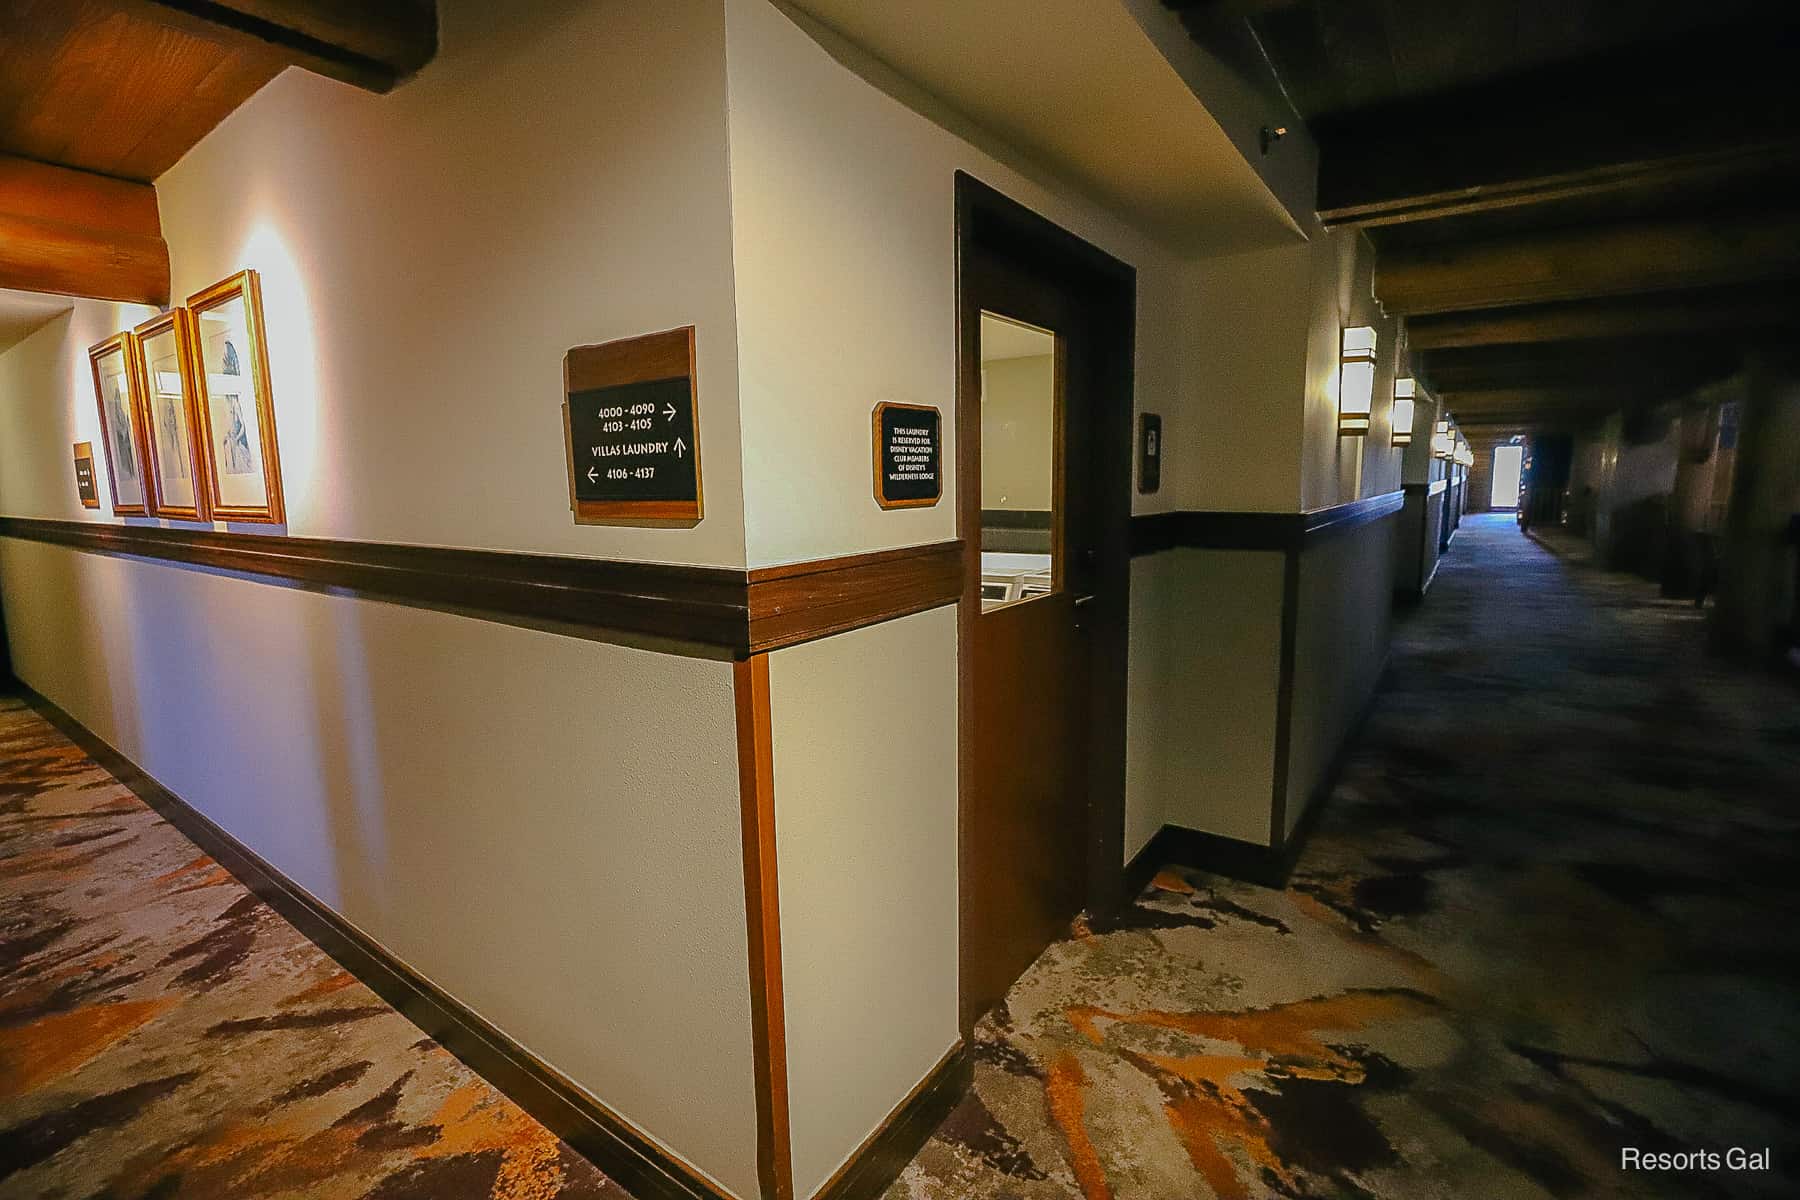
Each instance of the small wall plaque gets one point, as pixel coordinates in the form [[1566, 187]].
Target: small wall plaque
[[86, 486], [909, 455], [1150, 449], [632, 426]]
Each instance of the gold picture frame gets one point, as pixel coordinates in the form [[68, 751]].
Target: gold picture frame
[[120, 396], [164, 352], [235, 404]]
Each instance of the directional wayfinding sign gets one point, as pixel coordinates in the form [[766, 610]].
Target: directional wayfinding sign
[[633, 445]]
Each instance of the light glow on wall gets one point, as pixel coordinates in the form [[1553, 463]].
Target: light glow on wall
[[293, 366], [1356, 381], [1404, 404]]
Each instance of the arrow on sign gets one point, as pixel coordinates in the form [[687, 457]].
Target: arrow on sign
[[592, 476], [679, 447], [669, 412]]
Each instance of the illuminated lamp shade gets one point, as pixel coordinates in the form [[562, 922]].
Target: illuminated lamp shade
[[1443, 444], [1404, 391], [1356, 381]]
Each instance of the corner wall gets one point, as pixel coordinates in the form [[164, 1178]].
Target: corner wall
[[473, 795]]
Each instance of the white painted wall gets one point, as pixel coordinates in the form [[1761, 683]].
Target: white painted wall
[[1242, 363], [555, 177], [866, 842], [464, 791], [47, 404], [863, 308], [1217, 639], [1343, 625]]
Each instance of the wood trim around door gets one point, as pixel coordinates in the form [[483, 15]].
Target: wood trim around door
[[762, 908], [989, 221]]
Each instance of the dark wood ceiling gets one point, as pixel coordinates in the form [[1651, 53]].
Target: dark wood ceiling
[[1565, 196], [100, 97]]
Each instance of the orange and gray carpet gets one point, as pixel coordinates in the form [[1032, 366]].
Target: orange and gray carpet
[[165, 1034], [1552, 913]]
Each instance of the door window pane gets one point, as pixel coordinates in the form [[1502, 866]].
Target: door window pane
[[1019, 389]]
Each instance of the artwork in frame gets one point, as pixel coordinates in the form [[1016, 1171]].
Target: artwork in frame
[[171, 403], [241, 460], [119, 395]]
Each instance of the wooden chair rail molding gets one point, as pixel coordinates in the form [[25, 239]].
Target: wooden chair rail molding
[[714, 610], [1153, 532]]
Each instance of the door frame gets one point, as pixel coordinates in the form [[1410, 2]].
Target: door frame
[[987, 220]]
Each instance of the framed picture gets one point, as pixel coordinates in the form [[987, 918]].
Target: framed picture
[[165, 366], [117, 390], [236, 409]]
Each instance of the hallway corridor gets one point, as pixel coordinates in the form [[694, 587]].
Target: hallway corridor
[[1549, 913]]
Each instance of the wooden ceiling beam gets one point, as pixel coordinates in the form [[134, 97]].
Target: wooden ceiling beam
[[1581, 264], [1639, 364], [1710, 105], [1653, 174], [74, 233], [1737, 309], [371, 44]]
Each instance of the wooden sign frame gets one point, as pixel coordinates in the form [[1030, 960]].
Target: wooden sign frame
[[84, 453], [875, 441], [651, 358], [178, 323]]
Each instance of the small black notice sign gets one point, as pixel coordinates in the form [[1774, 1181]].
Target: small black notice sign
[[633, 430], [635, 441], [86, 486], [1149, 453], [908, 455]]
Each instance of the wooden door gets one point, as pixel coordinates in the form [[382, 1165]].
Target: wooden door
[[1026, 405]]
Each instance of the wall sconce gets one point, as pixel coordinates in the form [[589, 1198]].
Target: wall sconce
[[1404, 391], [1356, 381], [1442, 444]]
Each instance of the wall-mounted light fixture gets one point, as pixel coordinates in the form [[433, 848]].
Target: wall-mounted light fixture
[[1404, 391], [1442, 443], [1356, 381]]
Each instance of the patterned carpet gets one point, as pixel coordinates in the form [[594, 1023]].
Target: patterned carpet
[[165, 1034], [1551, 914]]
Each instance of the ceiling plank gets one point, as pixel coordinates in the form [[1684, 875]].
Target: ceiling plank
[[371, 44], [1578, 264], [93, 86], [1746, 309], [75, 233]]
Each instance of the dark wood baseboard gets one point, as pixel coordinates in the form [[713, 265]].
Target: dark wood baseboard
[[626, 1155], [1178, 846], [714, 611], [897, 1140]]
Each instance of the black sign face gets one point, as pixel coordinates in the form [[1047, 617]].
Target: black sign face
[[635, 442], [85, 485], [908, 456], [1149, 452]]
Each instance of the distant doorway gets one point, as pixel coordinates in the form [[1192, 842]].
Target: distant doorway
[[1509, 468]]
